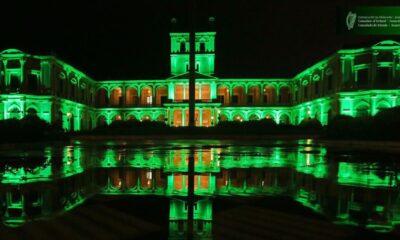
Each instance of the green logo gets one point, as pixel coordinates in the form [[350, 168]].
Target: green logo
[[350, 20]]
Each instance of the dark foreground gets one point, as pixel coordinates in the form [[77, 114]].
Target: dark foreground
[[147, 218]]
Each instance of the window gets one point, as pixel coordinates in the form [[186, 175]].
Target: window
[[233, 174], [72, 91], [32, 112], [15, 113], [180, 226], [305, 92], [83, 95], [183, 46], [383, 76], [14, 82], [15, 197], [32, 82], [60, 90], [200, 225], [362, 78], [13, 64], [202, 47], [330, 82]]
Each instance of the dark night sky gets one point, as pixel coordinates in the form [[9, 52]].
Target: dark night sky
[[129, 39]]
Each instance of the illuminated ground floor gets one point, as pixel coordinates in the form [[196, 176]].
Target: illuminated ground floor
[[73, 116]]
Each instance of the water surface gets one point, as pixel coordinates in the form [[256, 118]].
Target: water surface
[[333, 188]]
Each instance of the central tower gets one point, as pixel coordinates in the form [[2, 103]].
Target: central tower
[[205, 53]]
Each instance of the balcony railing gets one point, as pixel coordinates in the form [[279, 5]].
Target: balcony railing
[[185, 101], [255, 104], [136, 105], [197, 101]]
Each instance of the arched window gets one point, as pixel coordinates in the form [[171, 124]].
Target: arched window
[[15, 113], [146, 118], [101, 98], [132, 98], [32, 112], [284, 119], [238, 118], [362, 111], [269, 95], [253, 117], [161, 118], [116, 97], [101, 121], [284, 95], [131, 118]]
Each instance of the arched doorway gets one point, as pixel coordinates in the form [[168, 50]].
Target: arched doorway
[[253, 117], [284, 95], [101, 121], [146, 96], [15, 113], [131, 97], [238, 118], [101, 98], [161, 118], [116, 97], [31, 112], [269, 95], [362, 110], [253, 95], [223, 94], [284, 119], [238, 95], [222, 117], [161, 95], [177, 119], [207, 119], [146, 118]]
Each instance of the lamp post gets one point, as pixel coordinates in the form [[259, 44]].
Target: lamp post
[[192, 91], [192, 67]]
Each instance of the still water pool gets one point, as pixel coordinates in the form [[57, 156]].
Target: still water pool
[[240, 190]]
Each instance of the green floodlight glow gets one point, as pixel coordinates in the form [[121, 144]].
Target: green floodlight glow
[[360, 175], [59, 93]]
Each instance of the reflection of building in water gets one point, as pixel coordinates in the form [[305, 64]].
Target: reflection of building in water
[[178, 219], [354, 82], [348, 193]]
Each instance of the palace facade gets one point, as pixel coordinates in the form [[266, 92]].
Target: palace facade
[[354, 82]]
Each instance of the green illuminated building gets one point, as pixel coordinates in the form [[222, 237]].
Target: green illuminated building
[[356, 82]]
